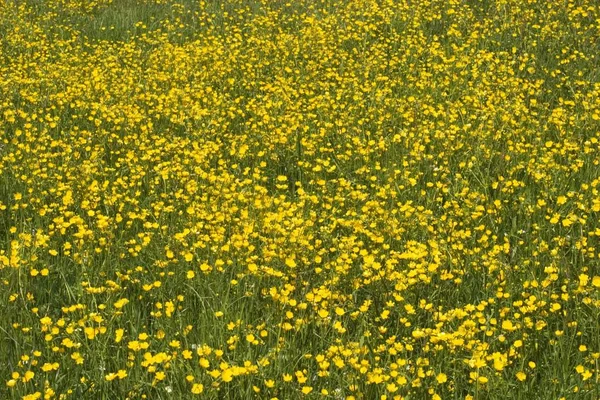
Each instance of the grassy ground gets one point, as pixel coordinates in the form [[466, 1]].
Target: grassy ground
[[324, 199]]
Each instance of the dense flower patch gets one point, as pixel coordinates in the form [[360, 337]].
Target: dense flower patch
[[376, 199]]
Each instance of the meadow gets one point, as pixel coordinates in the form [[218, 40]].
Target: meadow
[[320, 199]]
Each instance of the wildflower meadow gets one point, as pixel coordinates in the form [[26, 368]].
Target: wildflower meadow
[[301, 199]]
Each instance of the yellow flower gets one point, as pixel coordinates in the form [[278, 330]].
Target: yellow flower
[[521, 376], [90, 332], [197, 388], [418, 334], [290, 262], [441, 378], [77, 358], [227, 375], [47, 367], [508, 325], [121, 303], [27, 376]]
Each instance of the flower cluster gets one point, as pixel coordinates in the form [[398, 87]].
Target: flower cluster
[[337, 199]]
